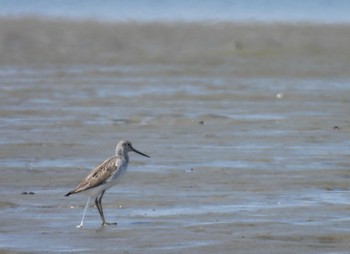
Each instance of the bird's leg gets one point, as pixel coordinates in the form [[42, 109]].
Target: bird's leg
[[82, 220], [99, 207], [98, 202]]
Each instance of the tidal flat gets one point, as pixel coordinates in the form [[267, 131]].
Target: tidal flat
[[246, 124]]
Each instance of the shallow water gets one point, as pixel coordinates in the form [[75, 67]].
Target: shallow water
[[243, 162], [194, 10]]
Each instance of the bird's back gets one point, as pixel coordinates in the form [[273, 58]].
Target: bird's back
[[106, 172]]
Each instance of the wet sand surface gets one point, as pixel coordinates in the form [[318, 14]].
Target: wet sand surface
[[245, 163]]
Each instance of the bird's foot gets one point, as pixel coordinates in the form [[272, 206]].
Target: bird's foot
[[109, 223], [80, 226]]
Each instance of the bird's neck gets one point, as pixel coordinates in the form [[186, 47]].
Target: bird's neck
[[126, 156], [123, 154]]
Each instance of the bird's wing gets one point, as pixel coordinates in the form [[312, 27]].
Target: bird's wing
[[99, 175]]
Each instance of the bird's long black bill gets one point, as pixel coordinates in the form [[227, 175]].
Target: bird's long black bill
[[140, 153]]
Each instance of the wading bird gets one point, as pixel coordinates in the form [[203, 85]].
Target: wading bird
[[104, 176]]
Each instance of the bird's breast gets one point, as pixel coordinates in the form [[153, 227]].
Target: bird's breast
[[119, 171]]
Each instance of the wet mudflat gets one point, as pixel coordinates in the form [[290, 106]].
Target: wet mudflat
[[251, 162]]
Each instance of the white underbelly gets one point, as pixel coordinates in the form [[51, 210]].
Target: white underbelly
[[94, 192]]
